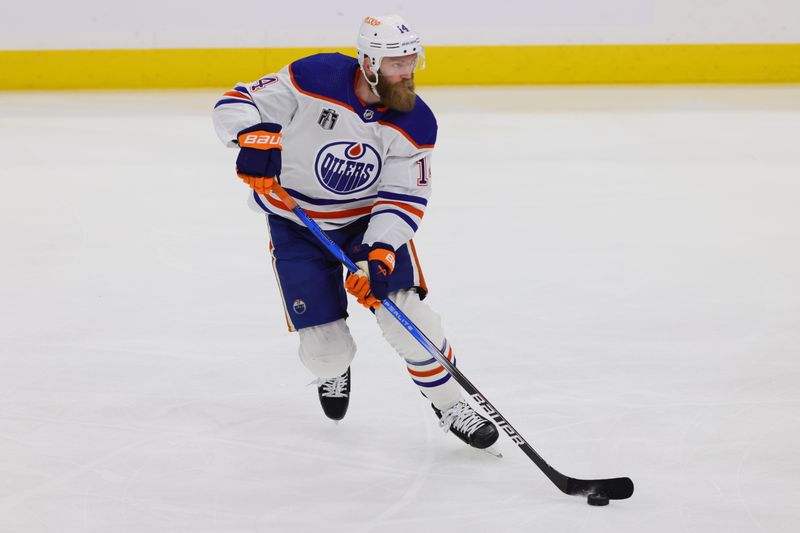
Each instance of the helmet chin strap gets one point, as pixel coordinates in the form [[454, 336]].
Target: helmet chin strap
[[373, 85]]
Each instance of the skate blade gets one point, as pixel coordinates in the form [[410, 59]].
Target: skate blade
[[493, 450]]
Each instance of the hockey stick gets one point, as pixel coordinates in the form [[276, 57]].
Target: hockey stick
[[614, 489]]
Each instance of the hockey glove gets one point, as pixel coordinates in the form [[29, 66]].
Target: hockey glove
[[259, 161], [358, 285], [379, 267]]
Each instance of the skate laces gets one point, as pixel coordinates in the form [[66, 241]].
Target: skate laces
[[461, 417], [333, 387]]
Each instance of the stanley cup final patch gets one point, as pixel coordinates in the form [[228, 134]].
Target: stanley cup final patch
[[327, 119]]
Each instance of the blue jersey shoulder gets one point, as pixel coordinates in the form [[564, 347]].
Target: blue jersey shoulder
[[328, 75], [419, 124], [332, 76]]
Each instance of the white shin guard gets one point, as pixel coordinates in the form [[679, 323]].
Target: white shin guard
[[432, 379], [327, 350]]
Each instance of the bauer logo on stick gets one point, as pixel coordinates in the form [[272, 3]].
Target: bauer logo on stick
[[498, 418]]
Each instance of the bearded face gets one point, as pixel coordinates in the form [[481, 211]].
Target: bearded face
[[399, 96]]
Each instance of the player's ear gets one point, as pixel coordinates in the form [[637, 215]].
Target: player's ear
[[367, 65]]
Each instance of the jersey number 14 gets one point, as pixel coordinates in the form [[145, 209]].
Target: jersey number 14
[[424, 178]]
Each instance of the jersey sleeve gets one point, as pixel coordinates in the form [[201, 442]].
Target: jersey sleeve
[[269, 99], [403, 196]]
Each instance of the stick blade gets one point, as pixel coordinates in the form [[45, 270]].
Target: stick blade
[[618, 488]]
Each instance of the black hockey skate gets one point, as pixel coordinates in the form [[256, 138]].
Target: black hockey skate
[[334, 395], [468, 425]]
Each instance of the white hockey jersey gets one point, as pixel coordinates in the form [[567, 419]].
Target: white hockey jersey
[[342, 159]]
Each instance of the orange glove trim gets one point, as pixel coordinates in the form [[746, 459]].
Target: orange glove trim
[[261, 140], [261, 185], [384, 256], [358, 286]]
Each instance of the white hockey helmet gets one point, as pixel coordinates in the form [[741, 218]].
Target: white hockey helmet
[[386, 36]]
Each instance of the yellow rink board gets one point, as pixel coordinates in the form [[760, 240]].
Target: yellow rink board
[[446, 65]]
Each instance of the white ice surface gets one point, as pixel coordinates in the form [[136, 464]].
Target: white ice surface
[[617, 268]]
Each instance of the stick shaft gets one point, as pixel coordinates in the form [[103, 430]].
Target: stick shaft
[[557, 478], [414, 331]]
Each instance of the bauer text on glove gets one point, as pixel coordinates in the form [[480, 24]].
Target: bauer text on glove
[[259, 161], [380, 262]]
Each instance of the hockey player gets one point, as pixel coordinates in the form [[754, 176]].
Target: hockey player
[[351, 142]]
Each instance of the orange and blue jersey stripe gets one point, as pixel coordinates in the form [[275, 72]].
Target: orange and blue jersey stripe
[[410, 209], [430, 373], [238, 95], [337, 212]]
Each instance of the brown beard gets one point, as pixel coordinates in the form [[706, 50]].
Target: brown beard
[[399, 96]]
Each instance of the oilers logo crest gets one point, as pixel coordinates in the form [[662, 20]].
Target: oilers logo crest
[[345, 167]]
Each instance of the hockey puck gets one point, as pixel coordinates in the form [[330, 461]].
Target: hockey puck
[[597, 500]]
